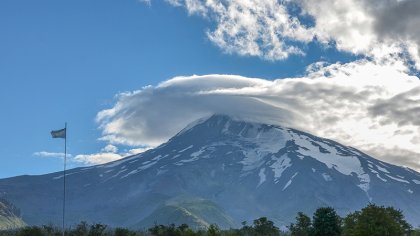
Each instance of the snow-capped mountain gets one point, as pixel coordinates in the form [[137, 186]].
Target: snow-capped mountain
[[224, 171]]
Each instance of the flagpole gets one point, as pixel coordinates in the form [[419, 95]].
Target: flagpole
[[64, 175]]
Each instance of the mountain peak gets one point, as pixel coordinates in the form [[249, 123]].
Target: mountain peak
[[221, 124], [276, 171]]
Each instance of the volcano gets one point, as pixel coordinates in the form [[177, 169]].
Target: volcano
[[219, 170]]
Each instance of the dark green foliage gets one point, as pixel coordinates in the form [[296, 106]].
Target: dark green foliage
[[51, 230], [349, 224], [245, 230], [123, 232], [213, 230], [415, 232], [265, 227], [370, 221], [376, 221], [97, 230], [81, 229], [183, 227], [261, 227], [158, 230], [326, 222], [30, 231], [302, 227], [172, 230]]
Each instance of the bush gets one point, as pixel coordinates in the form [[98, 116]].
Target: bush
[[123, 232], [30, 231]]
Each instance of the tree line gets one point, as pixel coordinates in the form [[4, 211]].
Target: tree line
[[372, 220]]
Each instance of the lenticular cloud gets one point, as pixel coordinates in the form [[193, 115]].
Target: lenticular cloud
[[368, 105]]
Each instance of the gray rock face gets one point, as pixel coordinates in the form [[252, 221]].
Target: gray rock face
[[246, 169]]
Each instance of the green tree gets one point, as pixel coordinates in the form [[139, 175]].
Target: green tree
[[326, 222], [157, 230], [213, 230], [97, 230], [82, 229], [398, 217], [302, 227], [349, 224], [183, 227], [245, 230], [265, 227], [376, 221]]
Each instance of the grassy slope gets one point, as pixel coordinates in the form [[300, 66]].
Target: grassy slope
[[9, 216], [197, 213]]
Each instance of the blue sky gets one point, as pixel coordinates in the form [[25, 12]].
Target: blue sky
[[67, 60]]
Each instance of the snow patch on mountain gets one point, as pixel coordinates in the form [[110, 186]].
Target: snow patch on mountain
[[377, 175], [289, 182], [262, 176], [279, 166], [196, 154], [343, 164], [327, 177], [118, 173], [398, 179], [185, 149], [364, 182], [130, 173], [382, 169]]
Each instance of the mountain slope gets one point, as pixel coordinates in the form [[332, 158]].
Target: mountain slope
[[197, 213], [9, 216], [247, 169]]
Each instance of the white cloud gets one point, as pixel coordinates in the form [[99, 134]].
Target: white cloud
[[135, 151], [51, 154], [110, 148], [97, 158], [107, 154], [375, 28], [251, 27], [369, 105], [276, 29]]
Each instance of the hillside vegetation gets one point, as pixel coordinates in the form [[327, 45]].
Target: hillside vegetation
[[9, 216], [370, 221]]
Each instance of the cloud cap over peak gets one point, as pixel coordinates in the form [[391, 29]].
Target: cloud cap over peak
[[366, 104]]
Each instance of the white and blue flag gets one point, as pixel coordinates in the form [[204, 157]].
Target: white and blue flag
[[59, 133]]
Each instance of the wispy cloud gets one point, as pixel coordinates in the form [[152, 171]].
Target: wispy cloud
[[51, 154], [370, 105], [107, 154], [147, 2]]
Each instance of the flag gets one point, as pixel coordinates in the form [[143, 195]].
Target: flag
[[59, 133]]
